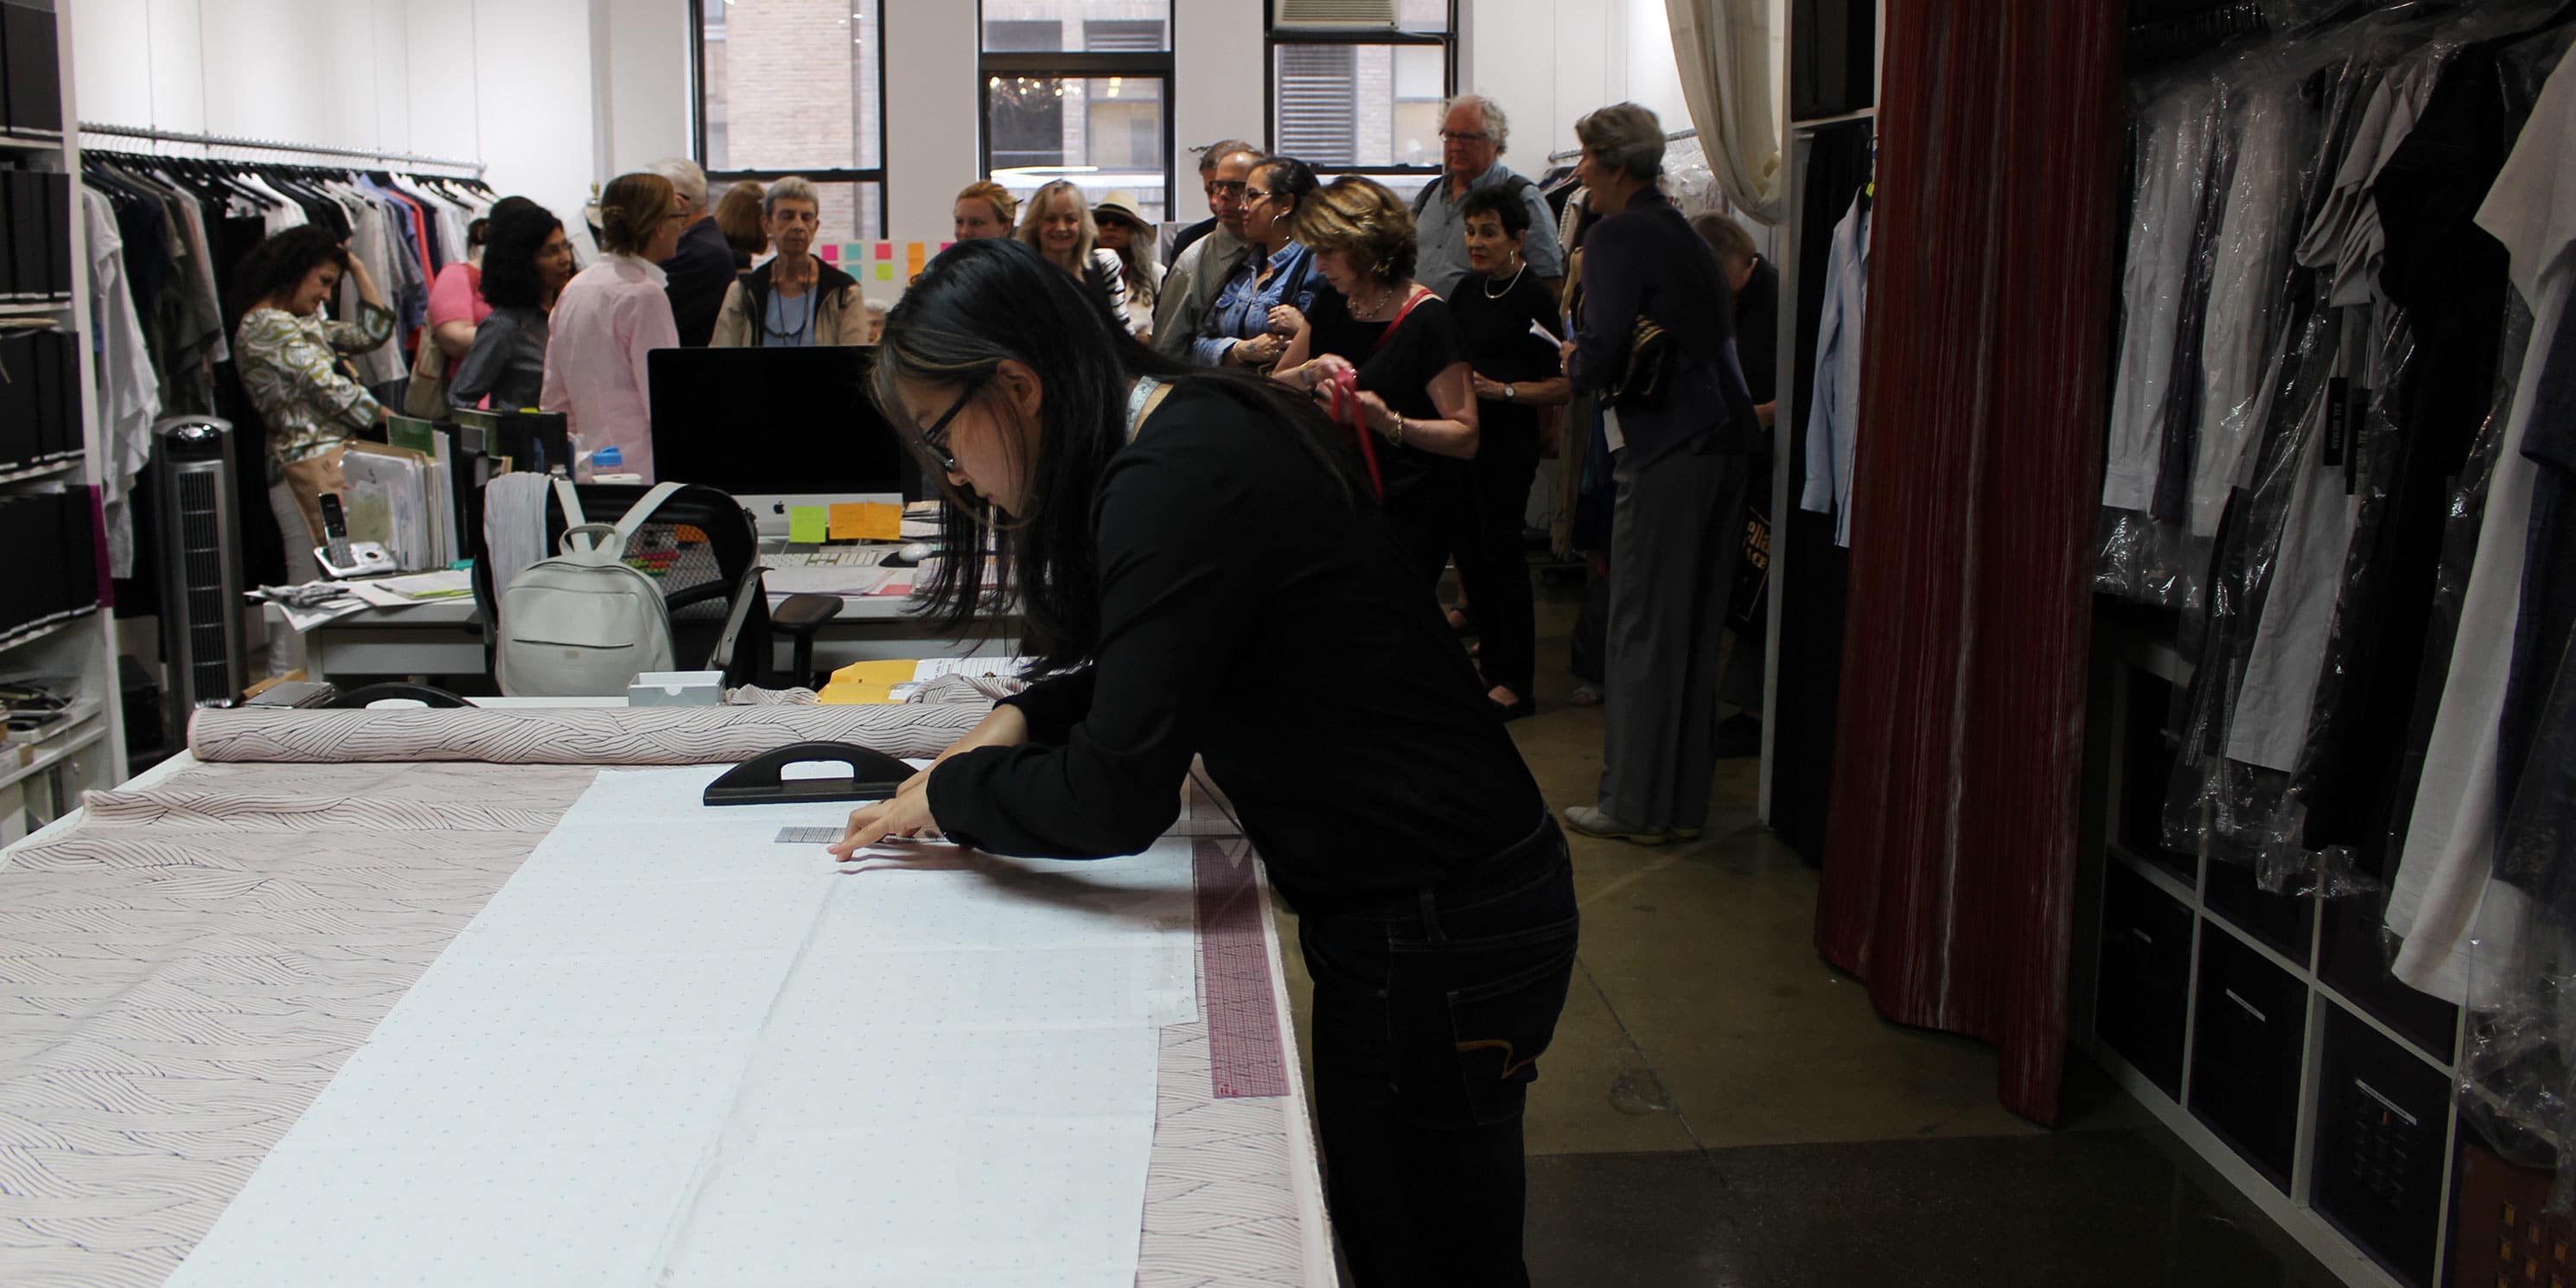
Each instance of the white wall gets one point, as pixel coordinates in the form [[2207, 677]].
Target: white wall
[[642, 88], [932, 105], [1548, 63], [507, 82]]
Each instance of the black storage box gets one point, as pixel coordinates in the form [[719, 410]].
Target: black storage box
[[2251, 1020], [2383, 1121], [2143, 995]]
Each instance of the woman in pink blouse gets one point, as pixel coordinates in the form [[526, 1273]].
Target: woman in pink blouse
[[608, 318], [456, 304]]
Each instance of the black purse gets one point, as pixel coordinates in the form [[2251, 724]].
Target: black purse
[[1643, 381]]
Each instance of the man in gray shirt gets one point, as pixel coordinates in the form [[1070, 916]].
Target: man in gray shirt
[[1473, 137], [1190, 287]]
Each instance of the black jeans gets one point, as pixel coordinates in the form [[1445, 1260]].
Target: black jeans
[[1491, 563], [1430, 1014]]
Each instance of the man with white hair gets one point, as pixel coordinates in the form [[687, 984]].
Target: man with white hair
[[795, 300], [1473, 136], [702, 268]]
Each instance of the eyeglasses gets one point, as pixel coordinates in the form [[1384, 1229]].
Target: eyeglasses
[[1219, 185], [1255, 194], [934, 440], [1455, 136]]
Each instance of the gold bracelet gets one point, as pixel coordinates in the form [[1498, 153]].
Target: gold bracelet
[[1397, 437]]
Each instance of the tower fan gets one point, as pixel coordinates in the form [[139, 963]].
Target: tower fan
[[201, 569]]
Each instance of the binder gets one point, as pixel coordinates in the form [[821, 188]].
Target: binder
[[67, 348], [79, 528], [18, 431], [57, 196], [31, 262], [45, 373], [35, 87]]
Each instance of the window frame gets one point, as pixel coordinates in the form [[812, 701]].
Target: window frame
[[1132, 64], [1272, 38], [840, 174]]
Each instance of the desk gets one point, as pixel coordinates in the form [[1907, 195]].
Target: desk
[[187, 963], [442, 639]]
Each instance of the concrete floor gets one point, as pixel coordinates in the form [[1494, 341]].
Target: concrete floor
[[1722, 1108]]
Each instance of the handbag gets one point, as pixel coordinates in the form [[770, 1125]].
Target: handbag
[[425, 396], [1642, 381]]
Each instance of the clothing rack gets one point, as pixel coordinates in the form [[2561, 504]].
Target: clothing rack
[[1571, 153], [270, 145]]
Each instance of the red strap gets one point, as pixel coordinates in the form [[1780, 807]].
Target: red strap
[[1398, 320], [1345, 409]]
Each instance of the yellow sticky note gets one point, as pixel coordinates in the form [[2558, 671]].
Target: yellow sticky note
[[885, 270], [806, 524], [856, 521]]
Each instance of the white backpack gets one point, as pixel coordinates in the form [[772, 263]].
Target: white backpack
[[583, 623]]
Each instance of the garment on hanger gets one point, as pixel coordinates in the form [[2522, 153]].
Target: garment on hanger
[[129, 397], [1833, 418]]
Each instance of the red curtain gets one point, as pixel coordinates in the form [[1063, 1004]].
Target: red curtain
[[1984, 384]]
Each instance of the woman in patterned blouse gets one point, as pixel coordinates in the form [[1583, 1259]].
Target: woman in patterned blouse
[[289, 358]]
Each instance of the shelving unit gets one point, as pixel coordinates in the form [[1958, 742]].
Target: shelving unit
[[2264, 1029], [39, 781]]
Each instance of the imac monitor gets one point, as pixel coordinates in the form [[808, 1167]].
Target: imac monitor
[[774, 427]]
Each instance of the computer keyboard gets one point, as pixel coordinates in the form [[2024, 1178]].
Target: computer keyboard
[[829, 557]]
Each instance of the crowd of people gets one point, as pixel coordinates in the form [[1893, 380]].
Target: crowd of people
[[1170, 555]]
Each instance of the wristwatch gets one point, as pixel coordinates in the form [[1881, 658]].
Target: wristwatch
[[1509, 396]]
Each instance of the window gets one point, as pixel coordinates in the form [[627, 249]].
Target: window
[[796, 87], [1361, 99], [1080, 90]]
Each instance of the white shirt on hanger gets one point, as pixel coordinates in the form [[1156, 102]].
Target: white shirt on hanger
[[2176, 132]]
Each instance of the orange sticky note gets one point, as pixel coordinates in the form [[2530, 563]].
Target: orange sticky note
[[913, 255], [860, 521]]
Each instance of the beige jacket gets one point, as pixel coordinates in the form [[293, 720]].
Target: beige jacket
[[840, 312]]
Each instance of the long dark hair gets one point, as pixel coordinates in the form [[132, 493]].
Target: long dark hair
[[278, 265], [510, 257], [982, 302]]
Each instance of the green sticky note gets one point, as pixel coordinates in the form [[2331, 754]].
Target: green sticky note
[[805, 524], [885, 270]]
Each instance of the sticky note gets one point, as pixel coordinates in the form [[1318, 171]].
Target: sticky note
[[879, 672], [913, 255], [885, 250], [854, 521], [828, 252], [806, 524], [885, 271], [945, 245]]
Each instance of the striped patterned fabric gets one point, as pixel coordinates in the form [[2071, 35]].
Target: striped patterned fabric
[[184, 972], [595, 736]]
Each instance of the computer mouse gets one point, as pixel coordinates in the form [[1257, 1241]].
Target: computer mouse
[[911, 555]]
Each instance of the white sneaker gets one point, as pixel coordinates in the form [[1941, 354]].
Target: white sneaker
[[1592, 822]]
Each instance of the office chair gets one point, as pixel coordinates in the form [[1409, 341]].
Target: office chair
[[702, 548]]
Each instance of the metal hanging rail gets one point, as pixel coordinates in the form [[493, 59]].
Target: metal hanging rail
[[1569, 154], [269, 145]]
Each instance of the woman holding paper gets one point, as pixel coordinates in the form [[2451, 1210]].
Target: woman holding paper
[[1179, 541], [1507, 317]]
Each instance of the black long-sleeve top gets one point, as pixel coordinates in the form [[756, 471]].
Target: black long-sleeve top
[[1646, 261], [1251, 615]]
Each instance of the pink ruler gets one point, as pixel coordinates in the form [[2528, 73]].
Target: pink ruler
[[1244, 1053]]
